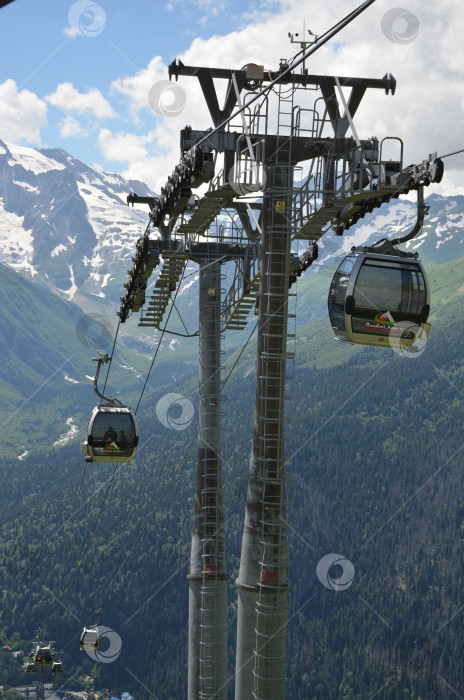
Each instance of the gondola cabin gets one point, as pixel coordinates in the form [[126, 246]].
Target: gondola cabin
[[57, 667], [89, 638], [30, 667], [43, 655], [380, 299], [111, 434]]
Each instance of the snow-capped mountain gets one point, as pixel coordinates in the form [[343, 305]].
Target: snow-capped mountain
[[64, 223]]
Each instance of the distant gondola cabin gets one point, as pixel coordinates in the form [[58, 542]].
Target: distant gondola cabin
[[111, 434], [89, 638], [379, 299], [43, 655]]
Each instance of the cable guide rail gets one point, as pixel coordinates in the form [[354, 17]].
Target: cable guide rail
[[340, 209]]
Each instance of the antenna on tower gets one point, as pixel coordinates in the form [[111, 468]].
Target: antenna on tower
[[302, 40]]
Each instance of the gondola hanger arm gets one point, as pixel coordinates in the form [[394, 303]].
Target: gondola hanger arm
[[103, 359], [422, 210]]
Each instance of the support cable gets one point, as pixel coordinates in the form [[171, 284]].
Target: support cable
[[454, 153], [240, 355], [111, 356], [159, 344], [117, 464], [89, 538], [179, 464], [73, 517], [196, 272], [156, 506], [159, 500], [60, 569], [71, 523], [180, 317]]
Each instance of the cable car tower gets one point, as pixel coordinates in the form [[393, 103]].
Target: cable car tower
[[42, 654], [273, 125]]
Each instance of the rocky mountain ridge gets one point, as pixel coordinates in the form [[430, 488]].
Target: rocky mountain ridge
[[64, 223]]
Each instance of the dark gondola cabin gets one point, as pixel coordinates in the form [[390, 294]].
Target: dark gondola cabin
[[380, 299], [111, 434], [43, 655], [30, 668], [57, 667], [89, 638]]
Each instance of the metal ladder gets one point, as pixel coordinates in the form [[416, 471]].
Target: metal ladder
[[175, 262]]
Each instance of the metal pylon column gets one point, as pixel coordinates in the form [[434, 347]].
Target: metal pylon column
[[40, 692], [263, 578], [207, 664]]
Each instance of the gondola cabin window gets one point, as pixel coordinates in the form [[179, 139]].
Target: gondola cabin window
[[387, 294], [337, 295]]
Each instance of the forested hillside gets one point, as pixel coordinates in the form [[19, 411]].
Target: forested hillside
[[374, 470]]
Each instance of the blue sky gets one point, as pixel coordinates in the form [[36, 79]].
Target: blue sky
[[131, 33], [77, 75], [40, 50]]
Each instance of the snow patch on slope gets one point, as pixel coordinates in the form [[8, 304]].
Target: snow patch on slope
[[66, 437], [116, 227], [33, 160], [57, 250], [26, 186], [73, 288], [16, 243], [70, 379]]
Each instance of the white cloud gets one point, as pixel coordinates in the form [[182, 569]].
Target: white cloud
[[122, 148], [71, 32], [135, 88], [70, 127], [449, 186], [68, 99], [143, 158], [22, 114], [426, 112]]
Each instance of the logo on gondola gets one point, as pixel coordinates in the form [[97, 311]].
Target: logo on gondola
[[106, 654], [335, 572], [112, 447], [385, 319], [175, 411]]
